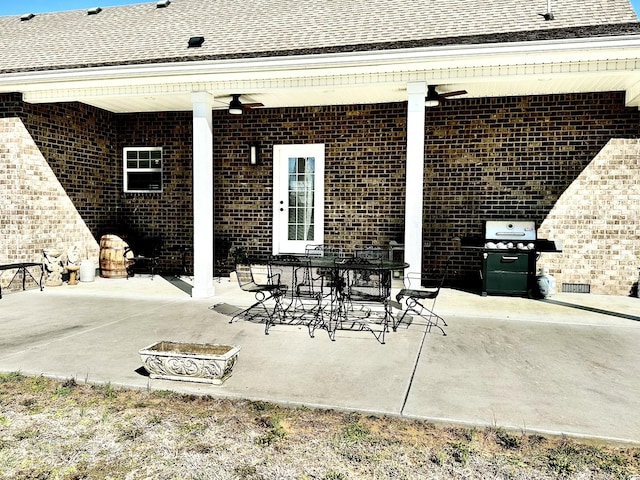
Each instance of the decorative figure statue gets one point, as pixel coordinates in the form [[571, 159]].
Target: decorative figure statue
[[73, 255], [54, 266]]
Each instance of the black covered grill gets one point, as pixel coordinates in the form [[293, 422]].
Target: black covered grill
[[509, 257], [509, 251]]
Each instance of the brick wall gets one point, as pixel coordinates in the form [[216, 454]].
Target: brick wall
[[57, 174], [364, 171], [514, 158], [168, 214], [37, 212], [78, 143], [598, 220], [485, 159]]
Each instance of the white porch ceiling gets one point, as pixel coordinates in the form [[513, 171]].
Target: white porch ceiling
[[308, 96]]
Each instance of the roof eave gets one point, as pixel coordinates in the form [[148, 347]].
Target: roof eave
[[619, 54]]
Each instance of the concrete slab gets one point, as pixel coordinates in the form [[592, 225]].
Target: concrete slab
[[564, 367], [574, 379]]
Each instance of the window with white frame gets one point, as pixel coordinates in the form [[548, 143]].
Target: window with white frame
[[142, 169]]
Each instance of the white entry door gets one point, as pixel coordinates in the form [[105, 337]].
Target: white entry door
[[298, 197]]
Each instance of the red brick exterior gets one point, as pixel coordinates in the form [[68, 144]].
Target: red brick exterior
[[485, 159]]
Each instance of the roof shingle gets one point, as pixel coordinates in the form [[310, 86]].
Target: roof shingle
[[143, 33]]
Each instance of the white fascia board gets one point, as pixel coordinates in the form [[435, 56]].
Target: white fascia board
[[516, 58]]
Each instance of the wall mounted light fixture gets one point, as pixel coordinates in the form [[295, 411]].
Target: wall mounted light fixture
[[254, 154]]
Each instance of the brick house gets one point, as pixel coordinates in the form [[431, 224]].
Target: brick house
[[121, 116]]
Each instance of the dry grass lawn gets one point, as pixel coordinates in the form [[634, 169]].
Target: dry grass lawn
[[64, 430]]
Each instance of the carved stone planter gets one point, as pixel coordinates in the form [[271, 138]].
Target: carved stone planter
[[191, 362]]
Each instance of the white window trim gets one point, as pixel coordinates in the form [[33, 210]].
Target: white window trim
[[126, 169]]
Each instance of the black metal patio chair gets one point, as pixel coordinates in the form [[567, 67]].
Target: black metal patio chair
[[304, 298], [326, 275], [141, 255], [307, 292], [272, 289], [420, 289], [363, 300]]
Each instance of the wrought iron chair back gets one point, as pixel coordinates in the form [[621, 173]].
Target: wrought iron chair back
[[322, 250], [375, 254], [326, 274], [366, 282]]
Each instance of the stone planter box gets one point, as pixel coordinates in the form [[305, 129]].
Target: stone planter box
[[191, 362]]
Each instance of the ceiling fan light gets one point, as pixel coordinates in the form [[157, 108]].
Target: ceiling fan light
[[235, 107], [432, 99]]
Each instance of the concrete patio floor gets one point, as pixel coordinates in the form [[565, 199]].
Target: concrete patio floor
[[567, 365]]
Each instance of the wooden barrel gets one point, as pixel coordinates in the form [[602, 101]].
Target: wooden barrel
[[112, 263]]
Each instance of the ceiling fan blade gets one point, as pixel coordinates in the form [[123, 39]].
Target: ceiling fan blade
[[453, 94], [253, 105]]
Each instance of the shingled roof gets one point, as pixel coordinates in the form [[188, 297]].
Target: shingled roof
[[144, 33]]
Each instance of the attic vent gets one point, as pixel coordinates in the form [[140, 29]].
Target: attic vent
[[163, 3], [94, 11], [26, 17], [196, 42]]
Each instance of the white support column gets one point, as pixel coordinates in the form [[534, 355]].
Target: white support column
[[414, 176], [202, 195]]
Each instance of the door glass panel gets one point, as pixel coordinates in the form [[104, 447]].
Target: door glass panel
[[301, 198]]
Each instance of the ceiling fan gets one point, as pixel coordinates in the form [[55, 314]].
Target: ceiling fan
[[433, 98], [236, 107]]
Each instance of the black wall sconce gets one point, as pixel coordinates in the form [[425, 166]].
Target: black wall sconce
[[254, 154]]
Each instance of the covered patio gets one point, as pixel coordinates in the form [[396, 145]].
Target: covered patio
[[540, 94]]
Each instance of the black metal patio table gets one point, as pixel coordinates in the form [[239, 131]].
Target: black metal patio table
[[333, 293]]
